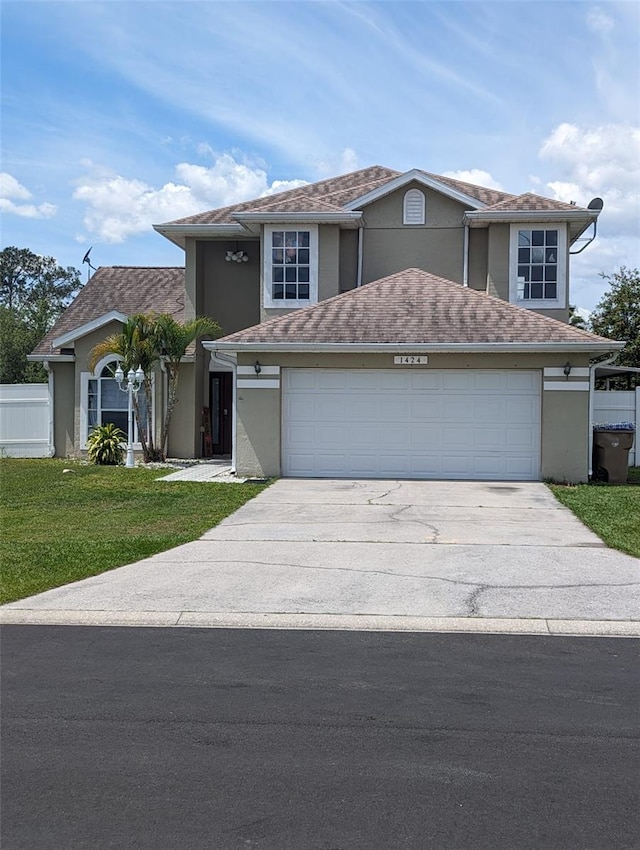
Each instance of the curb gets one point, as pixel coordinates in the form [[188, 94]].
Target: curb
[[330, 622]]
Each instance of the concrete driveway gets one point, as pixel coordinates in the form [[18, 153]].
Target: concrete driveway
[[373, 554]]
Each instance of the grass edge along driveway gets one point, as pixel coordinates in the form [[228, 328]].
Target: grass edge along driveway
[[611, 511], [59, 527]]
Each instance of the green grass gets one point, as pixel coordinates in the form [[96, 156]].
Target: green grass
[[612, 511], [58, 527]]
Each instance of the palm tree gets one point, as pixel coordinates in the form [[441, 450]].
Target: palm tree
[[173, 340], [136, 345], [144, 340]]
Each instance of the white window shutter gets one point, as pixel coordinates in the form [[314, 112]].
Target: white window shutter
[[414, 207]]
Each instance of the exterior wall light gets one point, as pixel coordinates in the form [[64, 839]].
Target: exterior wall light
[[257, 367], [236, 257]]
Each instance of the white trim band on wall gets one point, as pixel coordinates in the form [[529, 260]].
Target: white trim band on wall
[[259, 384], [558, 372], [264, 370], [582, 386]]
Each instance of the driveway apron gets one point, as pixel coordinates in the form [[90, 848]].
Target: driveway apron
[[325, 553]]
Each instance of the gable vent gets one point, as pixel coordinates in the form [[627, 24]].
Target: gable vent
[[414, 207]]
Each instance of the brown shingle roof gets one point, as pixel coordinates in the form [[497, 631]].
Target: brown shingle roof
[[530, 201], [333, 194], [413, 307], [127, 289], [331, 191], [480, 193]]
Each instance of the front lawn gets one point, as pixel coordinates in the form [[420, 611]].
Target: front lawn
[[58, 527], [612, 511]]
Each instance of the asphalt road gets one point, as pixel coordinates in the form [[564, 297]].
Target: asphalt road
[[187, 738]]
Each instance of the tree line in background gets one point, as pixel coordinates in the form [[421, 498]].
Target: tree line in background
[[34, 292], [617, 316]]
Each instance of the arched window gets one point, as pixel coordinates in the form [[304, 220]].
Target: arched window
[[414, 207], [103, 401]]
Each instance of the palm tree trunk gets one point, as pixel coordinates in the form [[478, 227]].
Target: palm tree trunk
[[172, 398]]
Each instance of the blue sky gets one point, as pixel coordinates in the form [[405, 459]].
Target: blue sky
[[121, 114]]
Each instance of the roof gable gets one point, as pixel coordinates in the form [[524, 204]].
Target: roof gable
[[88, 327], [414, 307], [424, 179], [114, 292]]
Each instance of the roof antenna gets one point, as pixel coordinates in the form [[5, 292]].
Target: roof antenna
[[86, 260]]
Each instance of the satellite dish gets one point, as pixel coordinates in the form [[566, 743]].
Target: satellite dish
[[85, 259], [595, 205]]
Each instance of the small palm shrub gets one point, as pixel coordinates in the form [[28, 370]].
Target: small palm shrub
[[106, 445]]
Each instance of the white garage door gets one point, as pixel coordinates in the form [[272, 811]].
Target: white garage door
[[458, 423]]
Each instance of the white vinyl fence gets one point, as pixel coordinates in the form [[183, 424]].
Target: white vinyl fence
[[618, 406], [25, 420]]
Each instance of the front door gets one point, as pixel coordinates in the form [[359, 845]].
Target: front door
[[221, 395]]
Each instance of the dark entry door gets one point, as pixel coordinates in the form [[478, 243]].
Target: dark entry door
[[221, 395]]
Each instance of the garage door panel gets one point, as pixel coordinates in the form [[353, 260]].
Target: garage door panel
[[523, 439], [423, 380], [425, 409], [520, 467], [520, 380], [521, 410], [488, 381], [411, 423], [460, 380], [424, 435]]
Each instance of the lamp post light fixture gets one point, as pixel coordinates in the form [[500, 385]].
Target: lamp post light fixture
[[132, 387]]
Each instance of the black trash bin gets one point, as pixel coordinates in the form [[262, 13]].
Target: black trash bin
[[611, 445]]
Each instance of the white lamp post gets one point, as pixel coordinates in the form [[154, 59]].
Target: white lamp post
[[134, 382]]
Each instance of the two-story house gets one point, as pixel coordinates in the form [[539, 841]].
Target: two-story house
[[377, 324]]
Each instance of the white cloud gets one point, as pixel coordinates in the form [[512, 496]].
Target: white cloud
[[601, 161], [11, 190], [598, 161], [118, 207], [476, 176], [599, 22], [342, 164]]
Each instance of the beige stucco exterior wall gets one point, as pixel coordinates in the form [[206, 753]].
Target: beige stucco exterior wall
[[348, 259], [229, 293], [391, 246], [565, 418], [328, 261], [564, 414], [182, 430], [190, 283], [498, 261], [478, 258], [258, 447], [63, 408]]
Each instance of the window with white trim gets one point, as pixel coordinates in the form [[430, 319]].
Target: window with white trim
[[538, 266], [102, 401], [413, 208], [290, 266]]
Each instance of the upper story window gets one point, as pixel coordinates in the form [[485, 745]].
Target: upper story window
[[538, 266], [291, 267], [413, 207]]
